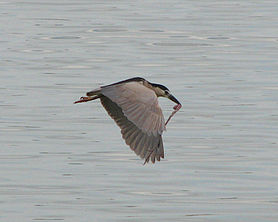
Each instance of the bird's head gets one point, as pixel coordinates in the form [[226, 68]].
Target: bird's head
[[163, 91]]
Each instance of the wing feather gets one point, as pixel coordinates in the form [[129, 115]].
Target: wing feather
[[139, 104], [140, 148], [138, 140]]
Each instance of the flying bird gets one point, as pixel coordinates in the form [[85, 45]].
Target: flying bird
[[133, 104]]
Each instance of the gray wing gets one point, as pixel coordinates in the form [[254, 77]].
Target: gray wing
[[141, 120], [139, 104]]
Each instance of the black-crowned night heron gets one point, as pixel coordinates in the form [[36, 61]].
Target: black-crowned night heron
[[133, 105]]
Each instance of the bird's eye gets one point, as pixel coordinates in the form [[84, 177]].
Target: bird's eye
[[166, 92]]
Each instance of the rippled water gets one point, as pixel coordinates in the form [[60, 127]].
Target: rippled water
[[67, 162]]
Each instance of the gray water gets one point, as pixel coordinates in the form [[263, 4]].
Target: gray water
[[65, 162]]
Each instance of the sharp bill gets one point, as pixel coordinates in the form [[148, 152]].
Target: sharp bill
[[171, 97]]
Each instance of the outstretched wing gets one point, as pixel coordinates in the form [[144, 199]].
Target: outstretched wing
[[135, 109]]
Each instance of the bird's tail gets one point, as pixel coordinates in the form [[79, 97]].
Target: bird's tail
[[95, 92]]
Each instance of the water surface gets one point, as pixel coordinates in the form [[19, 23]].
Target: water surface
[[65, 162]]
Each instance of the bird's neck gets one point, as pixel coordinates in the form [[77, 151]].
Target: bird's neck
[[158, 91]]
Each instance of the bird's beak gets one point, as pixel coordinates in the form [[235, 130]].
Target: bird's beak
[[176, 107], [171, 97]]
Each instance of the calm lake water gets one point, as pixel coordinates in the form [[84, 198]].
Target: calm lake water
[[66, 162]]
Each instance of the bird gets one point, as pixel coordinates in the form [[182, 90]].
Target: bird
[[133, 105]]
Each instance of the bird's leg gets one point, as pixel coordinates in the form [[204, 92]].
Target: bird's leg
[[176, 109], [85, 99]]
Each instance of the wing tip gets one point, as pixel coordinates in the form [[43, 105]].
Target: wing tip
[[157, 157]]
